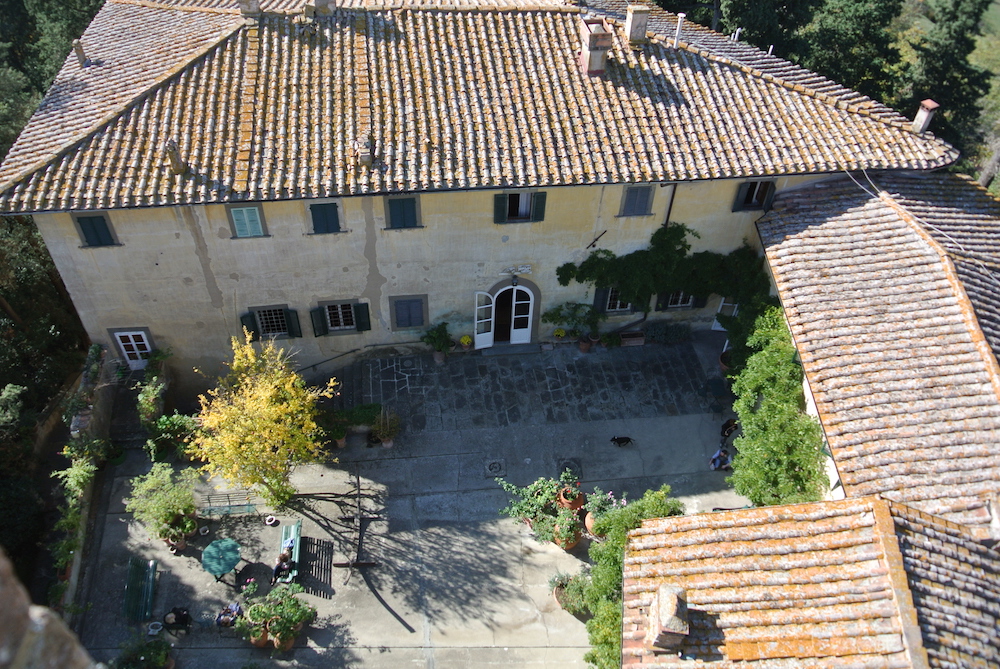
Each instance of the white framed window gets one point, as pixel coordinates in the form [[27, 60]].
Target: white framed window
[[247, 222], [754, 195], [276, 321], [340, 316], [679, 300], [615, 302], [637, 201]]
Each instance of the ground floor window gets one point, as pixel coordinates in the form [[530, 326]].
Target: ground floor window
[[615, 302], [675, 300], [408, 311], [340, 317], [274, 321]]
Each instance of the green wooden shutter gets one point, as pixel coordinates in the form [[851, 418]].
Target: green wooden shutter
[[403, 212], [768, 196], [254, 226], [741, 195], [538, 206], [318, 316], [95, 231], [500, 208], [249, 321], [601, 300], [362, 320], [325, 218], [632, 203], [292, 323], [240, 222]]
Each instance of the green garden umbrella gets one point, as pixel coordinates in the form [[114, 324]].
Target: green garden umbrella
[[221, 557]]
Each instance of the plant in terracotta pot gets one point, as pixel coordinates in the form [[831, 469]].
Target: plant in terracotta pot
[[439, 340], [279, 614], [599, 503], [568, 592], [562, 529], [570, 495], [532, 502], [162, 500], [466, 342], [142, 654], [386, 427]]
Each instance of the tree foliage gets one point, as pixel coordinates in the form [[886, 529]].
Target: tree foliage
[[779, 456], [259, 421]]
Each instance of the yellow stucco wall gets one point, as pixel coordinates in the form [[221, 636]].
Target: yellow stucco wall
[[180, 273]]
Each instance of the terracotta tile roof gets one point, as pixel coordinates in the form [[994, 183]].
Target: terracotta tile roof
[[455, 99], [852, 583], [905, 383]]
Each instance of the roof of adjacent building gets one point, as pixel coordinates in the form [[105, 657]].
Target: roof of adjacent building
[[469, 94], [852, 583], [888, 286]]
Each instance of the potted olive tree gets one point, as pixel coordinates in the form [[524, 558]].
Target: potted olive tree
[[163, 501]]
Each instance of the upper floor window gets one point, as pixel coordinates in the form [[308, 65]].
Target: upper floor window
[[95, 230], [247, 222], [520, 207], [272, 321], [325, 218], [615, 302], [754, 195], [403, 212], [637, 201]]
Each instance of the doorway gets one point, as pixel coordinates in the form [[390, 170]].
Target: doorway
[[504, 317], [135, 348]]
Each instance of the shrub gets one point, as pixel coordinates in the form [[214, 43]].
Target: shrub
[[437, 338], [86, 448], [142, 654], [160, 497], [576, 316], [76, 477], [364, 414], [149, 402]]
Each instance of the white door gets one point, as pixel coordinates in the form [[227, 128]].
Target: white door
[[725, 307], [135, 347], [484, 320], [520, 323]]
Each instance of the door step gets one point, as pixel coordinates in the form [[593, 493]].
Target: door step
[[511, 349]]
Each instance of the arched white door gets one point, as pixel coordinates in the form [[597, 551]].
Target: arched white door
[[484, 320], [521, 308]]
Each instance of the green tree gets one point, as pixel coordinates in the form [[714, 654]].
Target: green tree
[[769, 22], [259, 421], [943, 72], [779, 454]]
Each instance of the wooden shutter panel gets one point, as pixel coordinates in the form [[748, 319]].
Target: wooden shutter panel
[[318, 316], [500, 208], [538, 206], [643, 200], [292, 323], [249, 321], [325, 218], [240, 223], [700, 302], [632, 204], [741, 196], [601, 300], [362, 319], [768, 195], [254, 228]]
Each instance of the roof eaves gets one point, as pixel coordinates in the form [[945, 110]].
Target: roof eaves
[[109, 118]]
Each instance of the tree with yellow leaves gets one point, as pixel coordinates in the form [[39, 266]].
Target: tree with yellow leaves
[[259, 421]]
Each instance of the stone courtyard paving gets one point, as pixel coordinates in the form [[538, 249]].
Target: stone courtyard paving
[[454, 584]]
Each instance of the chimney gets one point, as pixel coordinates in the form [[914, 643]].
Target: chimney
[[363, 149], [667, 626], [309, 9], [680, 22], [177, 166], [80, 55], [595, 42], [924, 116], [635, 23], [249, 7]]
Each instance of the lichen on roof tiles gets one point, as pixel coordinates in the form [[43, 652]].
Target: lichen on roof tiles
[[468, 97]]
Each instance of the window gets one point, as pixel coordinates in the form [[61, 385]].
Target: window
[[679, 300], [754, 195], [520, 207], [615, 302], [274, 321], [637, 201], [340, 317], [247, 222], [324, 218], [95, 230], [403, 213], [408, 311]]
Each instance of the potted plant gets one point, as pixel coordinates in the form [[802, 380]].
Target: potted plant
[[142, 654], [360, 418], [334, 424], [466, 342], [162, 500], [439, 340], [386, 427], [568, 591], [570, 496], [563, 529], [599, 503], [579, 318], [559, 334], [279, 614], [532, 502]]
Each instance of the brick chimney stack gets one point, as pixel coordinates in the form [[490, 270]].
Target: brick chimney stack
[[595, 42], [249, 7], [635, 23], [667, 626], [924, 116]]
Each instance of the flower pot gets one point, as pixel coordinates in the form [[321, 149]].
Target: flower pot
[[585, 345], [284, 645], [557, 593], [203, 530], [588, 522], [466, 347], [387, 443], [568, 544], [566, 503], [725, 362], [342, 442], [439, 357], [260, 641]]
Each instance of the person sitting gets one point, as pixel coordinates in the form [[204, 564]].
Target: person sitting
[[227, 616], [281, 566], [177, 619], [720, 460]]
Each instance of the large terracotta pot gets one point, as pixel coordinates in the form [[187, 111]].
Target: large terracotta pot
[[569, 544], [260, 641], [284, 645], [574, 504], [588, 522]]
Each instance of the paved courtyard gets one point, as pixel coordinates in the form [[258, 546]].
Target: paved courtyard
[[454, 585]]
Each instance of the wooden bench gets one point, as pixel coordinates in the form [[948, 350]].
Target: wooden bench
[[140, 585], [226, 504], [291, 533]]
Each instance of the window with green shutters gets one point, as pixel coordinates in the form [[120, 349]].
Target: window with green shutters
[[408, 311], [247, 222], [754, 195], [520, 207], [325, 218], [402, 212], [340, 317], [637, 201], [277, 321], [95, 230]]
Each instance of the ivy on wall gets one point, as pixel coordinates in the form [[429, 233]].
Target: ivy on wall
[[779, 454]]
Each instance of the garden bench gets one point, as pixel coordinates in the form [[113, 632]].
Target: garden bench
[[139, 588], [226, 504], [291, 533]]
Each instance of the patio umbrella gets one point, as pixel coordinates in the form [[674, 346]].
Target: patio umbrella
[[221, 557]]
